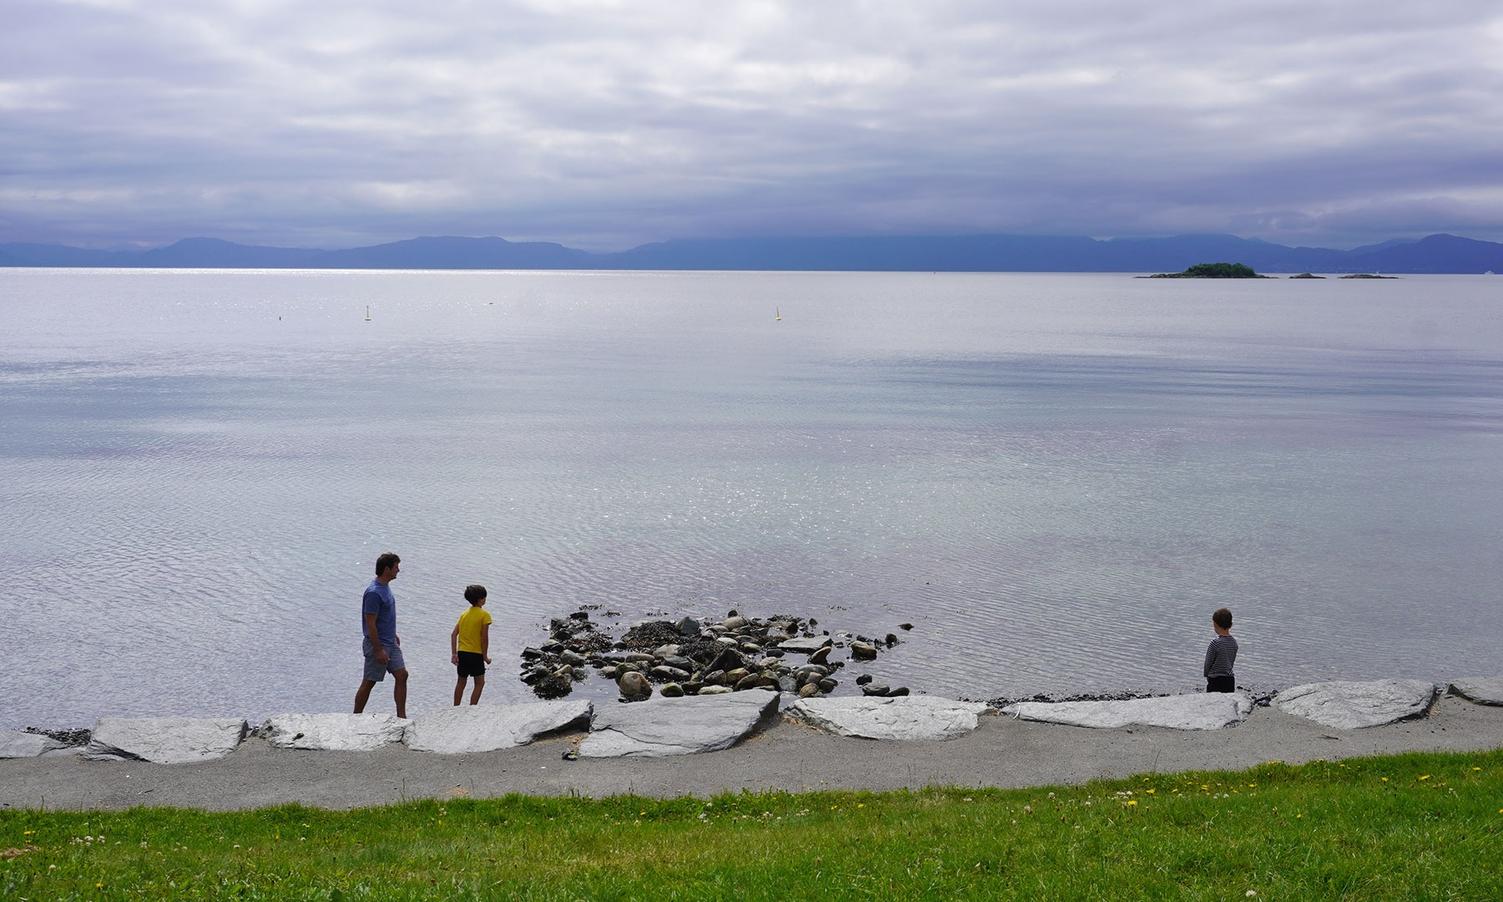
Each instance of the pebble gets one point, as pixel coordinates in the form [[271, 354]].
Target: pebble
[[750, 681]]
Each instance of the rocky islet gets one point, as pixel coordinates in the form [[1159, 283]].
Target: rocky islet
[[691, 657]]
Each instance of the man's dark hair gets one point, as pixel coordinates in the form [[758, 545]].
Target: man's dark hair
[[473, 594], [386, 561], [1222, 618]]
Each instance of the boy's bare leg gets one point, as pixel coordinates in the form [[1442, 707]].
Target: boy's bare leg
[[475, 697], [458, 691], [363, 695], [399, 692]]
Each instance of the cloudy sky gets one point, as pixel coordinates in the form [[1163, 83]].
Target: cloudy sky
[[605, 124]]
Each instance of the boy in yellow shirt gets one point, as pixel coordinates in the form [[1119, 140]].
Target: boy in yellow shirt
[[470, 644]]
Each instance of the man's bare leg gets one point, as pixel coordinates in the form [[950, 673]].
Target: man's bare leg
[[475, 697], [363, 695], [399, 692], [458, 691]]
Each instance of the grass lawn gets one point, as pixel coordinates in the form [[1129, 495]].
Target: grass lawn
[[1407, 827]]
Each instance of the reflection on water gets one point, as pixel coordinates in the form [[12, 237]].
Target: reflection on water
[[1056, 478]]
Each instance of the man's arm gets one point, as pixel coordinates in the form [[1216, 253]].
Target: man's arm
[[382, 655], [485, 642], [454, 645], [1205, 671]]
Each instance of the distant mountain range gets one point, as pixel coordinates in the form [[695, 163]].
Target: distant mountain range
[[973, 253]]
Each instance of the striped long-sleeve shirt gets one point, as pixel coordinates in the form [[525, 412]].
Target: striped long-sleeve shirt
[[1220, 656]]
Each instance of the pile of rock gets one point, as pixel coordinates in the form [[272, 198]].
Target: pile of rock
[[553, 668], [688, 657]]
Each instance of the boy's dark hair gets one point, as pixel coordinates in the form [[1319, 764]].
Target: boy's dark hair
[[1222, 618], [386, 561], [473, 594]]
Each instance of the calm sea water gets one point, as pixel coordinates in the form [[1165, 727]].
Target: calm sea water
[[1055, 477]]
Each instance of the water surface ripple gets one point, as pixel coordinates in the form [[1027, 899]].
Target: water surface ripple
[[1056, 478]]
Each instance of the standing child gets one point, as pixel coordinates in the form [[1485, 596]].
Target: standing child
[[470, 644], [1221, 654]]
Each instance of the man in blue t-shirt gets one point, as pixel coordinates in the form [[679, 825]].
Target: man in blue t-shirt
[[383, 648]]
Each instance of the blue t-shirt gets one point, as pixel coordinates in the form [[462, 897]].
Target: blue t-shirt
[[378, 600]]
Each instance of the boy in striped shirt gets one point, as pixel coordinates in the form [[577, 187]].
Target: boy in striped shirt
[[1221, 655]]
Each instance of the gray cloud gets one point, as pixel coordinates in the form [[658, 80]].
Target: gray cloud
[[605, 124]]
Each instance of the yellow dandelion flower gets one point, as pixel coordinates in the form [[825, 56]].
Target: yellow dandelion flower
[[1132, 802], [1424, 777], [1384, 779]]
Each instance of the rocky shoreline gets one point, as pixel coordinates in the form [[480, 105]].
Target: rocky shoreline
[[690, 657], [801, 667]]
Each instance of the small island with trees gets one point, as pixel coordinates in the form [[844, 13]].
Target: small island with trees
[[1211, 271]]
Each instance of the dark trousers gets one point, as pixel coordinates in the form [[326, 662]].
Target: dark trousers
[[1221, 684]]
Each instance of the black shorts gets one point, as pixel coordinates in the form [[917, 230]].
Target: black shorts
[[1219, 684], [471, 663]]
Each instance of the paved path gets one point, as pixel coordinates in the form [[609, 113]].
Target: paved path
[[1002, 752]]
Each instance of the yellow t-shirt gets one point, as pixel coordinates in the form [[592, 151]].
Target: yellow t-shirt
[[471, 622]]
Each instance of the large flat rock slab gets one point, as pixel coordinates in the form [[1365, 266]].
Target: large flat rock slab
[[1346, 705], [805, 644], [485, 728], [676, 726], [906, 718], [335, 732], [1482, 690], [164, 740], [26, 745], [1199, 711]]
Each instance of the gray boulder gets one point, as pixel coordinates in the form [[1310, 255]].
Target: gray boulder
[[634, 686], [676, 726], [164, 740], [1482, 690], [1353, 705], [1199, 711], [914, 718], [484, 728], [335, 732], [26, 745]]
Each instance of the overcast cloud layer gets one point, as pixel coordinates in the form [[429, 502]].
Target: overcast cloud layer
[[604, 124]]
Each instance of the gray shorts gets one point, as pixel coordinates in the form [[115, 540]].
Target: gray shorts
[[375, 671]]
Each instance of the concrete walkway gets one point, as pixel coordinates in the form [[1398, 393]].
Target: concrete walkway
[[1001, 752]]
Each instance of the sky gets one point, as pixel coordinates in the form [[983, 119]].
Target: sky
[[603, 125]]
